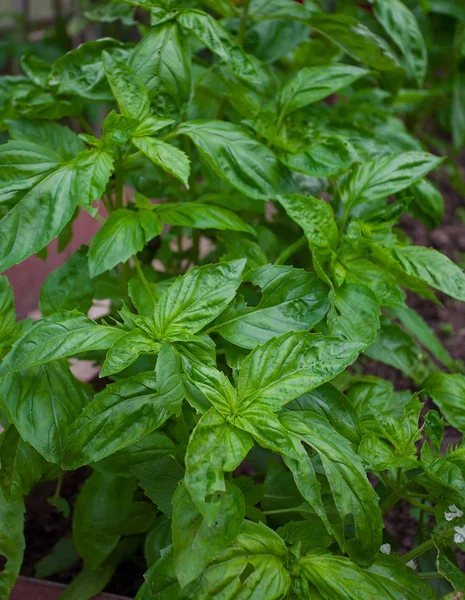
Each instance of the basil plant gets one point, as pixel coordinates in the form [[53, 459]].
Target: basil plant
[[249, 171]]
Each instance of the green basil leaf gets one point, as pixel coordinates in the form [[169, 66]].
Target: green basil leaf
[[170, 159], [288, 366], [325, 157], [94, 168], [126, 411], [7, 313], [12, 542], [159, 479], [80, 72], [214, 385], [432, 267], [238, 157], [395, 347], [315, 83], [69, 286], [214, 447], [103, 509], [219, 41], [196, 298], [334, 406], [146, 450], [62, 556], [448, 470], [316, 217], [52, 139], [338, 577], [354, 497], [42, 402], [356, 40], [123, 235], [127, 350], [447, 392], [196, 544], [385, 176], [58, 336], [292, 300], [36, 69], [458, 111], [201, 216], [451, 572], [399, 580], [128, 89], [162, 60], [356, 314], [379, 280], [427, 204], [267, 577], [401, 26], [412, 321], [22, 466]]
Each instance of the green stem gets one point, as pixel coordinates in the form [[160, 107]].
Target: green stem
[[86, 125], [56, 495], [119, 187], [418, 551], [419, 505], [142, 277], [290, 250], [243, 25], [430, 575], [281, 511]]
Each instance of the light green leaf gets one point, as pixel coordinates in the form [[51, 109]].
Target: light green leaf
[[288, 366], [432, 267], [214, 447], [238, 157], [42, 402], [401, 26], [427, 203], [353, 494], [447, 470], [69, 286], [94, 168], [356, 314], [338, 577], [196, 544], [123, 235], [127, 87], [314, 83], [398, 580], [126, 411], [7, 313], [58, 336], [356, 40], [448, 393], [219, 41], [385, 176], [11, 542], [127, 350], [21, 466], [292, 300], [214, 385], [196, 298], [451, 572], [316, 217], [51, 138], [170, 159], [379, 280], [201, 216], [162, 60]]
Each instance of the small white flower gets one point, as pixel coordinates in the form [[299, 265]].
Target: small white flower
[[455, 513], [459, 536], [411, 564], [385, 548]]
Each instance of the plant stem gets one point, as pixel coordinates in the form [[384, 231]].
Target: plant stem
[[142, 277], [281, 511], [86, 125], [418, 551], [430, 575], [243, 25], [290, 250], [56, 495], [119, 187], [419, 505]]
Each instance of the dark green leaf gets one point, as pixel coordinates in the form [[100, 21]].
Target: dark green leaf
[[42, 402], [357, 41], [201, 216], [448, 393], [170, 159], [127, 350], [69, 286], [62, 556], [11, 543]]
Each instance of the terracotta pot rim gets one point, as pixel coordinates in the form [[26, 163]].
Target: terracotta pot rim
[[28, 587]]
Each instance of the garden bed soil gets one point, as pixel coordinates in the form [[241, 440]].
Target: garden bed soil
[[45, 525]]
